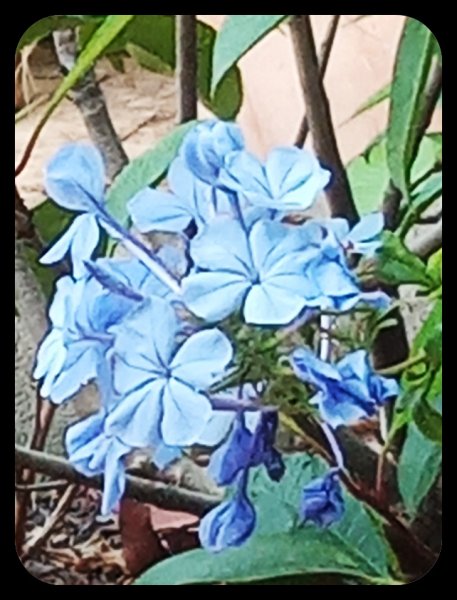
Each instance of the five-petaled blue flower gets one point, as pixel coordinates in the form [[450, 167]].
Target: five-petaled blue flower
[[348, 391], [261, 271], [162, 382], [290, 180], [322, 500]]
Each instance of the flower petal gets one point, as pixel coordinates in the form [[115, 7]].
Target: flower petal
[[75, 177], [214, 296], [202, 358], [154, 210], [270, 305], [185, 414]]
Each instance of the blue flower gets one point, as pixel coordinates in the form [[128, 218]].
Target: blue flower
[[189, 199], [348, 391], [330, 284], [249, 444], [161, 383], [363, 238], [290, 180], [84, 314], [93, 452], [205, 147], [80, 240], [231, 523], [322, 500], [261, 271]]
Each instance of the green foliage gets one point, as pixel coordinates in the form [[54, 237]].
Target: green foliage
[[373, 101], [369, 173], [102, 37], [144, 170], [44, 27], [238, 34], [396, 265], [418, 468], [407, 100], [279, 547], [150, 39], [422, 197]]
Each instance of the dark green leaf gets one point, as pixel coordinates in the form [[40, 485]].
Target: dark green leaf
[[373, 100], [428, 421], [423, 196], [237, 35], [419, 465], [143, 171], [278, 548], [155, 36], [410, 75], [397, 265], [369, 174], [42, 28]]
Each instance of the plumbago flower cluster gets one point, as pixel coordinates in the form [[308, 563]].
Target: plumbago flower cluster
[[145, 328]]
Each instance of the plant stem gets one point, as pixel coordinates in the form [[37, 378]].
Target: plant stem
[[338, 193], [186, 67]]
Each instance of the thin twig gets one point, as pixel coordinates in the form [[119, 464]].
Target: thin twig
[[160, 494], [88, 97], [42, 535], [338, 193], [43, 486], [186, 67], [44, 414], [324, 55]]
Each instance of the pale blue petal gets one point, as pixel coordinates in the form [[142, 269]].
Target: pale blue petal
[[270, 305], [369, 227], [378, 300], [214, 296], [79, 368], [333, 280], [154, 210], [75, 177], [223, 245], [82, 432], [185, 414], [135, 419], [244, 173], [202, 358], [60, 306], [217, 428], [114, 476], [85, 240], [48, 353]]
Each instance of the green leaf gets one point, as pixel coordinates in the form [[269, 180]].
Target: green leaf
[[419, 466], [406, 107], [369, 173], [428, 421], [153, 40], [237, 35], [44, 27], [423, 196], [396, 265], [108, 30], [435, 267], [372, 101], [143, 171], [50, 220], [353, 547]]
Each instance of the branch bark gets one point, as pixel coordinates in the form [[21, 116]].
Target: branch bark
[[324, 55], [186, 67], [320, 121], [170, 497], [89, 99], [430, 243]]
